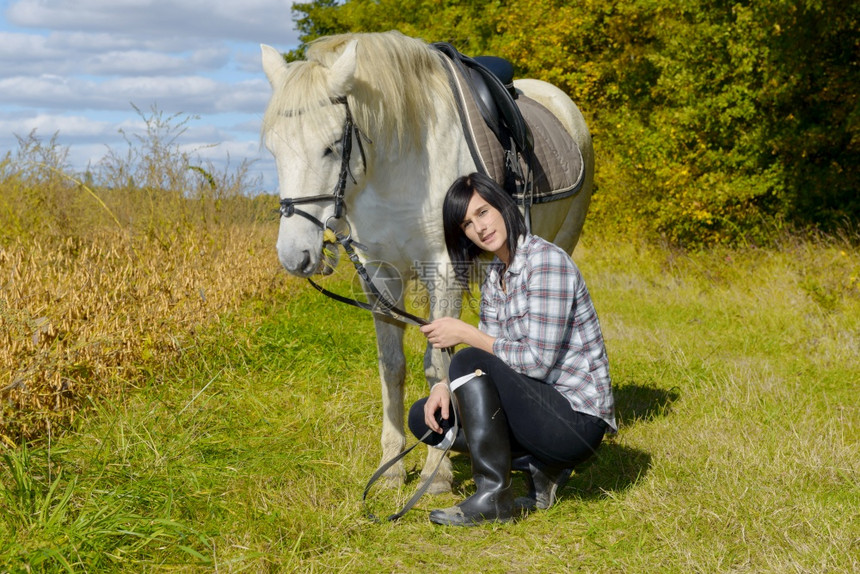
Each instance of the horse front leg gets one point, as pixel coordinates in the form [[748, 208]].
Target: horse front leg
[[444, 476], [444, 302], [392, 373]]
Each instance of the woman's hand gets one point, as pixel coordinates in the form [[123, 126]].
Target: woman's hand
[[439, 399], [447, 332]]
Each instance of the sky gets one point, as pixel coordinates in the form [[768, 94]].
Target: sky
[[79, 68]]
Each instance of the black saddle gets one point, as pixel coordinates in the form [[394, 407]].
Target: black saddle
[[492, 84]]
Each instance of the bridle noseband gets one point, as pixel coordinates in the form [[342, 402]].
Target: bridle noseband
[[288, 204]]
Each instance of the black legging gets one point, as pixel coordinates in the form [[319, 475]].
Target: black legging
[[540, 420]]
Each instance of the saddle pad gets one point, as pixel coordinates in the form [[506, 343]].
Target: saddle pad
[[558, 166]]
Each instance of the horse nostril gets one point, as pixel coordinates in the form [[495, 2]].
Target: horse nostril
[[306, 262]]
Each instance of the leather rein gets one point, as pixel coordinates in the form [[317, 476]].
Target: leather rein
[[382, 305]]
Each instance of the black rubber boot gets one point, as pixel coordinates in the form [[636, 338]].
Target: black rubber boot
[[486, 429], [544, 482]]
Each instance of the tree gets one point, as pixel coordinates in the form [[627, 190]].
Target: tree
[[714, 120]]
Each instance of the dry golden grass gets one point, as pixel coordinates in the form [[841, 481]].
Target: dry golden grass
[[102, 281], [79, 316]]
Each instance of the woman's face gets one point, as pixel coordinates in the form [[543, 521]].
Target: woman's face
[[484, 225]]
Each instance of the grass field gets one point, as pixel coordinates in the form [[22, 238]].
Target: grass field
[[247, 446]]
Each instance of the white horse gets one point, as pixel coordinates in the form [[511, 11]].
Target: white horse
[[412, 148]]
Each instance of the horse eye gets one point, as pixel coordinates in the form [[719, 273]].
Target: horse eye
[[330, 150]]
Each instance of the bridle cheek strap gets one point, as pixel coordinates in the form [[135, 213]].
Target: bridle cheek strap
[[350, 131]]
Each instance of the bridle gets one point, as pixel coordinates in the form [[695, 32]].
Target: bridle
[[383, 306], [342, 232], [288, 204]]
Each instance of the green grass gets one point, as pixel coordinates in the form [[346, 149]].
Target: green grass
[[736, 377]]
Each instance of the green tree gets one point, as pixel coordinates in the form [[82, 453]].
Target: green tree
[[751, 117], [714, 120]]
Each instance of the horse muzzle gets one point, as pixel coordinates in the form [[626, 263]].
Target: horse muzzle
[[305, 263]]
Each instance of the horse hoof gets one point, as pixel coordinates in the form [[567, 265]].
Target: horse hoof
[[439, 486], [392, 481]]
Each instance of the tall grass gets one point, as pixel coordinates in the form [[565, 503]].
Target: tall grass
[[735, 374], [105, 275], [191, 408]]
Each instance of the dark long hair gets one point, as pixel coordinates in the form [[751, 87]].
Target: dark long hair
[[462, 251]]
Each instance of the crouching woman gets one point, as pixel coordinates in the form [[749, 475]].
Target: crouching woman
[[532, 388]]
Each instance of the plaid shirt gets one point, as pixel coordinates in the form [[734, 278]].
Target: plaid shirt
[[546, 327]]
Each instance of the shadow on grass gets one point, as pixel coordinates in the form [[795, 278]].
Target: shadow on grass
[[615, 467], [636, 403]]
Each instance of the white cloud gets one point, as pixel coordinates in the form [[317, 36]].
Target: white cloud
[[48, 124], [89, 141], [249, 96], [189, 94], [245, 20], [137, 62], [62, 53]]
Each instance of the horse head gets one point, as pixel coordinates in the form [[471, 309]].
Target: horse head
[[309, 129]]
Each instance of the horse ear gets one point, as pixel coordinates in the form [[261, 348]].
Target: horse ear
[[343, 71], [273, 63]]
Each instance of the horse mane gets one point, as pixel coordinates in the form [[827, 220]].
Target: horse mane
[[400, 85]]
